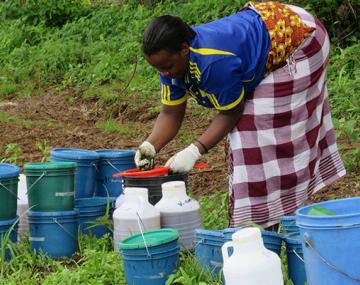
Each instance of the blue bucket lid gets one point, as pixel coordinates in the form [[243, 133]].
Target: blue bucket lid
[[74, 154], [8, 170], [115, 153]]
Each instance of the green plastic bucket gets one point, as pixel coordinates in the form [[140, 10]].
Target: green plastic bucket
[[9, 177], [50, 186]]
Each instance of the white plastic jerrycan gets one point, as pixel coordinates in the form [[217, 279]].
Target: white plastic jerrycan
[[251, 263], [134, 214], [180, 212], [139, 191], [22, 206]]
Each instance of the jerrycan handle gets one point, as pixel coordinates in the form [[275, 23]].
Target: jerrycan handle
[[224, 249]]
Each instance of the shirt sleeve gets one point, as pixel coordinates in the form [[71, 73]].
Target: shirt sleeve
[[171, 94], [224, 83]]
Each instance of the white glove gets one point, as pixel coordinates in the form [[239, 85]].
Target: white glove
[[184, 161], [145, 156]]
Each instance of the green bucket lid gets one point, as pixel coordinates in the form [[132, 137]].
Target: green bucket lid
[[152, 238], [48, 165]]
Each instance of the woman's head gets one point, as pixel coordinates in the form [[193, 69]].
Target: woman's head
[[165, 44]]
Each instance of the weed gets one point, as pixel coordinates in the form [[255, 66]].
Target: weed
[[112, 127], [45, 150], [7, 89], [12, 153], [154, 110], [214, 211]]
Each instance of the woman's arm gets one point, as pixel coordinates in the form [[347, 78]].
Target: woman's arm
[[167, 125], [221, 125]]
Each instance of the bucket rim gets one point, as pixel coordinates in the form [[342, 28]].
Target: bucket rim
[[8, 170], [300, 215], [31, 214], [53, 165], [271, 234], [10, 222], [153, 238], [288, 218], [211, 233], [115, 153], [93, 201], [74, 153], [292, 240]]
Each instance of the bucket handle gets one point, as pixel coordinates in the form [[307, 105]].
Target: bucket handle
[[199, 242], [7, 189], [96, 167], [65, 230], [224, 249], [36, 181], [113, 166], [309, 244], [141, 225], [298, 255]]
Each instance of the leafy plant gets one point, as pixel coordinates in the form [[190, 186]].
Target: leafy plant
[[12, 153], [45, 150], [214, 211], [110, 126]]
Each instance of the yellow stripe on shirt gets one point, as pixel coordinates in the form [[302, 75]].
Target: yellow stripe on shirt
[[233, 104], [175, 102], [211, 51]]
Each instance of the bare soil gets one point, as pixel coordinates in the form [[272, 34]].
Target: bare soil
[[63, 120]]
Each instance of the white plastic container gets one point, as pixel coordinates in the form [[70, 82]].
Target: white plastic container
[[139, 191], [134, 214], [23, 206], [180, 212], [251, 263]]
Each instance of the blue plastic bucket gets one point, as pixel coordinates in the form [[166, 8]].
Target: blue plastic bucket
[[111, 162], [331, 244], [151, 265], [288, 226], [86, 168], [5, 227], [53, 233], [9, 177], [208, 245], [90, 212], [272, 240], [295, 260]]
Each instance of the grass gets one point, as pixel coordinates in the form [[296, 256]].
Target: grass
[[7, 89], [112, 127]]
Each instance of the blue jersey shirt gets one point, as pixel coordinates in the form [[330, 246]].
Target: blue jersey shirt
[[227, 61]]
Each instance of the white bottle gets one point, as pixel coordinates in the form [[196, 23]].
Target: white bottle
[[180, 212], [251, 263], [136, 190], [134, 214], [22, 206]]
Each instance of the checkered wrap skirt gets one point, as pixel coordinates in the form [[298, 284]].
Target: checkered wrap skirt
[[283, 149]]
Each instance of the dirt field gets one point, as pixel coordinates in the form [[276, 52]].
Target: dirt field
[[60, 120]]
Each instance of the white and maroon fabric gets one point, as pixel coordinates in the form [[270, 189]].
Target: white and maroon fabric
[[283, 149]]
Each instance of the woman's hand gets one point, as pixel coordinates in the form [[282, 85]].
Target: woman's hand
[[184, 161], [145, 156]]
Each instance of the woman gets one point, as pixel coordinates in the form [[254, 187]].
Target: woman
[[222, 65]]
